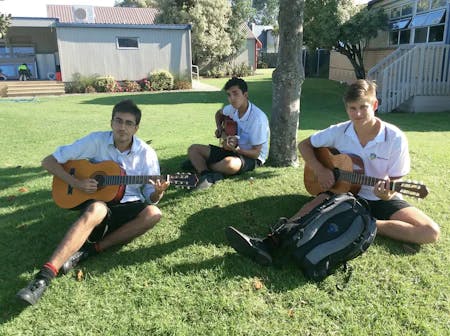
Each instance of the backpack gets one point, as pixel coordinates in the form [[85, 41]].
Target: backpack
[[337, 230]]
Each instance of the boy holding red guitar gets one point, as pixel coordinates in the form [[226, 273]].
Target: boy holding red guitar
[[239, 153]]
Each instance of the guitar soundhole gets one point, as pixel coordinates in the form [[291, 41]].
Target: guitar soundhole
[[100, 179]]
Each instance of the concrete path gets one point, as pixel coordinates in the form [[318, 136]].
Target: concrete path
[[198, 86]]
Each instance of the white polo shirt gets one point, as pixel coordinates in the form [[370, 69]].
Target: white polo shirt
[[253, 128], [141, 159], [386, 155]]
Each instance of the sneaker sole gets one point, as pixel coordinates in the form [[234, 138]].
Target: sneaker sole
[[240, 243]]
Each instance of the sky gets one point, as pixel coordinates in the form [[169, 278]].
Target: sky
[[37, 8]]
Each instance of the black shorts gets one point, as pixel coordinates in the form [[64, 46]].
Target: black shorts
[[217, 154], [385, 209], [118, 215]]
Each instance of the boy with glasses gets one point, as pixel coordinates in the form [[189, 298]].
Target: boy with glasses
[[103, 225]]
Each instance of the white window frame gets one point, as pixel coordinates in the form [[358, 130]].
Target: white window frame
[[129, 38]]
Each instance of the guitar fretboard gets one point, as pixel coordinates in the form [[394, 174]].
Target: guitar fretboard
[[138, 179], [360, 179]]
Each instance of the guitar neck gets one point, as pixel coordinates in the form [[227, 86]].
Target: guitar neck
[[138, 179], [356, 178]]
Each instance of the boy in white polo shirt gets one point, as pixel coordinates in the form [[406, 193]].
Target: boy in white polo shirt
[[244, 152], [383, 149]]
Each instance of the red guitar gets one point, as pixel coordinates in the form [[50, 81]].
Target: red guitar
[[229, 129], [111, 180], [348, 172]]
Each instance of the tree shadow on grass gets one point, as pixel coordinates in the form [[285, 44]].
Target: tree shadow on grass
[[206, 228]]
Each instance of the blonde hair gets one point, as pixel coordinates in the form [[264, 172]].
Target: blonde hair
[[361, 89]]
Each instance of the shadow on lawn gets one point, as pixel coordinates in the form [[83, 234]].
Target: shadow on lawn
[[206, 228], [161, 98]]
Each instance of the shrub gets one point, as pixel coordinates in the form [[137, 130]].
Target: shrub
[[228, 70], [182, 85], [241, 70], [145, 84], [79, 83], [161, 80], [89, 89], [105, 84], [131, 86]]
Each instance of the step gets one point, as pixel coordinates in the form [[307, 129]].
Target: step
[[35, 88], [32, 94]]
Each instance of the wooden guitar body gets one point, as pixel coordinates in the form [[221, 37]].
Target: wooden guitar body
[[112, 181], [66, 196], [349, 175], [332, 159]]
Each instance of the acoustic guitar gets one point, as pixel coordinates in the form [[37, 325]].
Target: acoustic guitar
[[111, 179], [349, 175], [229, 129]]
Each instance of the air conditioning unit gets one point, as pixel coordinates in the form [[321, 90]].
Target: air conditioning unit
[[83, 14]]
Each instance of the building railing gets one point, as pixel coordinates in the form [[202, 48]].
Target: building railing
[[422, 71], [376, 72]]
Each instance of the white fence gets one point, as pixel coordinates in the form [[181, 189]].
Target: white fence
[[423, 70]]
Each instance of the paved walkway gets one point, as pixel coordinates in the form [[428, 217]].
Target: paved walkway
[[198, 86]]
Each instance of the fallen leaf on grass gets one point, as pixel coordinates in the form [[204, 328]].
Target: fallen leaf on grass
[[257, 284], [80, 275], [23, 189], [291, 312]]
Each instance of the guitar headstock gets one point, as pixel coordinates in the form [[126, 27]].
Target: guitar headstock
[[183, 180], [411, 188]]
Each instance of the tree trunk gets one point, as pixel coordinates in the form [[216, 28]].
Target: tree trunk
[[287, 81]]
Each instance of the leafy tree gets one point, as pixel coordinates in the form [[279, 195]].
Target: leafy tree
[[344, 27], [135, 3], [266, 11], [217, 33], [287, 81], [5, 20], [241, 12]]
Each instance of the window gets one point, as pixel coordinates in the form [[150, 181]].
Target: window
[[20, 51], [127, 42], [399, 24], [4, 51], [402, 24], [420, 35], [438, 3], [400, 37], [425, 5], [407, 10], [429, 26], [428, 19], [436, 34]]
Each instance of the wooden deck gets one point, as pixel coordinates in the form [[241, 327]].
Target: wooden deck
[[30, 88]]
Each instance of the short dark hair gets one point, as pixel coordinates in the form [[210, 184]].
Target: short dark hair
[[236, 81], [127, 106], [360, 89]]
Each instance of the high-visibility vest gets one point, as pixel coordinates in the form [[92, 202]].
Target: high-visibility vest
[[23, 67]]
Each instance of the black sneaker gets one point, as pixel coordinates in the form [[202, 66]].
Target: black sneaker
[[73, 261], [208, 179], [253, 248], [33, 292]]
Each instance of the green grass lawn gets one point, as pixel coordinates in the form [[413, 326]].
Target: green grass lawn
[[181, 278]]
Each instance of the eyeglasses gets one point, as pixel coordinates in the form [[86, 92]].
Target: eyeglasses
[[120, 122]]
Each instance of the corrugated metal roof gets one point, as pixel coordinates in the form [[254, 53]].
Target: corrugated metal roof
[[114, 15]]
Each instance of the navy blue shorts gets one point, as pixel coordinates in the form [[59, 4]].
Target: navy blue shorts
[[118, 215], [217, 154], [385, 209]]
